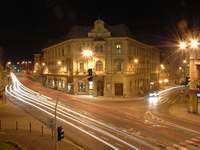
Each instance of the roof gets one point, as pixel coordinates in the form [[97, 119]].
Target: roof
[[120, 30]]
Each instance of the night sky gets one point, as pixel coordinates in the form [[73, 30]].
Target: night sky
[[26, 25]]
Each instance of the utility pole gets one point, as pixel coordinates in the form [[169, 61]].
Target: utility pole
[[111, 75], [55, 119]]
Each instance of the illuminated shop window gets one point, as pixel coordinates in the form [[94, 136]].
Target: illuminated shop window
[[81, 87], [53, 83], [59, 84], [69, 87], [90, 85], [63, 84]]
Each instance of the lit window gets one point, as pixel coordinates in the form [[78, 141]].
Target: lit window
[[90, 85], [63, 84], [118, 49], [81, 87], [59, 84], [69, 87]]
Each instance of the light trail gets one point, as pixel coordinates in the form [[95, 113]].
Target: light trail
[[21, 93]]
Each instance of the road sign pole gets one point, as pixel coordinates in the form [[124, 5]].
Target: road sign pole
[[55, 132]]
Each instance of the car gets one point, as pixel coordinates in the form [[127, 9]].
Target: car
[[153, 94]]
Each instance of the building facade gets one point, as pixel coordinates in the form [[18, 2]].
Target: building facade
[[37, 64], [118, 64]]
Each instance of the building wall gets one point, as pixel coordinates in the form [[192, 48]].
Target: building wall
[[119, 69]]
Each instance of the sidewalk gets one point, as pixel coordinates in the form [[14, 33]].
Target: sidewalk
[[33, 140], [106, 98], [180, 110]]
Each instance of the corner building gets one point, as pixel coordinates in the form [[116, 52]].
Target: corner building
[[121, 66]]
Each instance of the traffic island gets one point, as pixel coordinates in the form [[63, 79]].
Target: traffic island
[[9, 145], [18, 125], [193, 104]]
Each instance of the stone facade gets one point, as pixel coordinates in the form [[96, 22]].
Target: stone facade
[[121, 66], [194, 68], [37, 63]]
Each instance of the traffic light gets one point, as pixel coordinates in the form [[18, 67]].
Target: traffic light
[[90, 72], [90, 79], [60, 133], [187, 80]]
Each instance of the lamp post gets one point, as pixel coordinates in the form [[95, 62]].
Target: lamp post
[[55, 119], [88, 54], [184, 62], [192, 45]]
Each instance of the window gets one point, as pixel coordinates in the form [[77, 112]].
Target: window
[[99, 66], [81, 67], [118, 66], [118, 49], [99, 48], [81, 87], [62, 51], [90, 85]]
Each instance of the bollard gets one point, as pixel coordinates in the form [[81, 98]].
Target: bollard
[[42, 130], [30, 127], [16, 125], [52, 133], [3, 98]]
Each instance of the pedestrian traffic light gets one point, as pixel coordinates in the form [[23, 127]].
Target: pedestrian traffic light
[[187, 80], [90, 79], [90, 72], [60, 133]]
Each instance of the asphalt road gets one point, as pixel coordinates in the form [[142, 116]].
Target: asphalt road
[[136, 124]]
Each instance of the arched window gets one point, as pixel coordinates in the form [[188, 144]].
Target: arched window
[[99, 66]]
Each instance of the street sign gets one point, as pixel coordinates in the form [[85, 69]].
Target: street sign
[[198, 94], [50, 123]]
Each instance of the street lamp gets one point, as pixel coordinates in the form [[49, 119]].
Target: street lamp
[[87, 53], [9, 63], [184, 62], [59, 62], [135, 61], [162, 66], [194, 43], [43, 64], [182, 45]]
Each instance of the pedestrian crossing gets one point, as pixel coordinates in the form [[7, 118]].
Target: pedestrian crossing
[[166, 101], [190, 144]]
